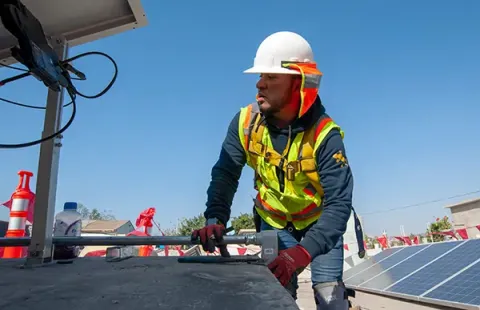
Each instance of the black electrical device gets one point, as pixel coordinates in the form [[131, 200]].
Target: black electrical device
[[35, 53], [33, 50]]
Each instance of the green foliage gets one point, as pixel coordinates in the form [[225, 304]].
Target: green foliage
[[243, 221], [94, 214], [370, 241], [170, 232], [441, 224], [187, 225]]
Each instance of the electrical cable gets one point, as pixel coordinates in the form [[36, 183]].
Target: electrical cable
[[72, 93], [27, 105], [14, 68], [65, 127], [422, 203], [114, 78]]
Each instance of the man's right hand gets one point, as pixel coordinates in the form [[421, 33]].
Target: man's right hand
[[209, 235]]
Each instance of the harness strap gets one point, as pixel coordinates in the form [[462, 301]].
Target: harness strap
[[257, 148], [253, 114], [308, 162]]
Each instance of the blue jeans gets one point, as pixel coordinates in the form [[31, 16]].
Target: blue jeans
[[324, 268]]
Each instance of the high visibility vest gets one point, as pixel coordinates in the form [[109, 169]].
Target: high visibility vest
[[300, 202]]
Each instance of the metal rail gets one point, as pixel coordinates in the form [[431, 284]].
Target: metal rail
[[133, 240]]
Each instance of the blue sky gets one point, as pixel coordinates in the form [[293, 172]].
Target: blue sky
[[402, 79]]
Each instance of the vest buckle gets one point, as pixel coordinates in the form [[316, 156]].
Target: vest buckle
[[291, 170]]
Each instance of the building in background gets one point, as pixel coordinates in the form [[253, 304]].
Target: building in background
[[97, 228], [466, 215], [115, 227], [89, 227]]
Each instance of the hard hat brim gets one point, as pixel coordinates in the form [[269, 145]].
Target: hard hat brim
[[272, 70]]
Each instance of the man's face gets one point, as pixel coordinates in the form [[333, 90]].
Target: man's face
[[276, 93]]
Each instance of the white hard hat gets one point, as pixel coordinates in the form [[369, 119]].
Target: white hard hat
[[281, 47]]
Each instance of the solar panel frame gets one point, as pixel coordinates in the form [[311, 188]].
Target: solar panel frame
[[406, 267], [426, 301], [382, 265], [429, 276]]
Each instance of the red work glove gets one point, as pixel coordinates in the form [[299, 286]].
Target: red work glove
[[288, 262], [209, 235]]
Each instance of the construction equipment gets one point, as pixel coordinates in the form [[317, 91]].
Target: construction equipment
[[267, 239], [221, 260], [98, 19]]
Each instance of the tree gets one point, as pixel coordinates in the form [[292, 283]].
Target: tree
[[187, 225], [83, 211], [412, 237], [94, 214], [243, 221], [170, 232], [370, 241], [441, 224]]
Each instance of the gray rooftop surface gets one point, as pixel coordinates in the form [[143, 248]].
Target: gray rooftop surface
[[140, 283]]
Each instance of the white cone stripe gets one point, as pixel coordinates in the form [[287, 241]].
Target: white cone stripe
[[19, 205], [17, 223]]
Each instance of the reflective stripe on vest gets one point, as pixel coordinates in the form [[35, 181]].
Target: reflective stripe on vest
[[311, 210]]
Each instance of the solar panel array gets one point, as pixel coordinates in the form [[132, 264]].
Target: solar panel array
[[445, 272]]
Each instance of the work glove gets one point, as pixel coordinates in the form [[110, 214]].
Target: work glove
[[288, 262], [209, 235]]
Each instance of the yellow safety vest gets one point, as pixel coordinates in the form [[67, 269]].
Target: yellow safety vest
[[301, 200]]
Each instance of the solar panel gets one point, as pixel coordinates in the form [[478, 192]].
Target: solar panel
[[463, 288], [381, 266], [369, 262], [408, 266], [426, 278]]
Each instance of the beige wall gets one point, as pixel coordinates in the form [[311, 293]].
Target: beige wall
[[467, 215], [125, 229]]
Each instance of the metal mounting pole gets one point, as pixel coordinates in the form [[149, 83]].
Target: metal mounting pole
[[41, 247], [135, 240]]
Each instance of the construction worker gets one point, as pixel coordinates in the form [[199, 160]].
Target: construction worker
[[302, 174]]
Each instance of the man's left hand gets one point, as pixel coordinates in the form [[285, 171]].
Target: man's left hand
[[288, 262]]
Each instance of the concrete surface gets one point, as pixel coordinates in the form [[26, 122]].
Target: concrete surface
[[305, 300], [367, 301], [140, 283]]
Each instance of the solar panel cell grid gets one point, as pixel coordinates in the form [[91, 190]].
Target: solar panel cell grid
[[463, 288], [408, 266], [383, 265], [433, 274], [369, 262]]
